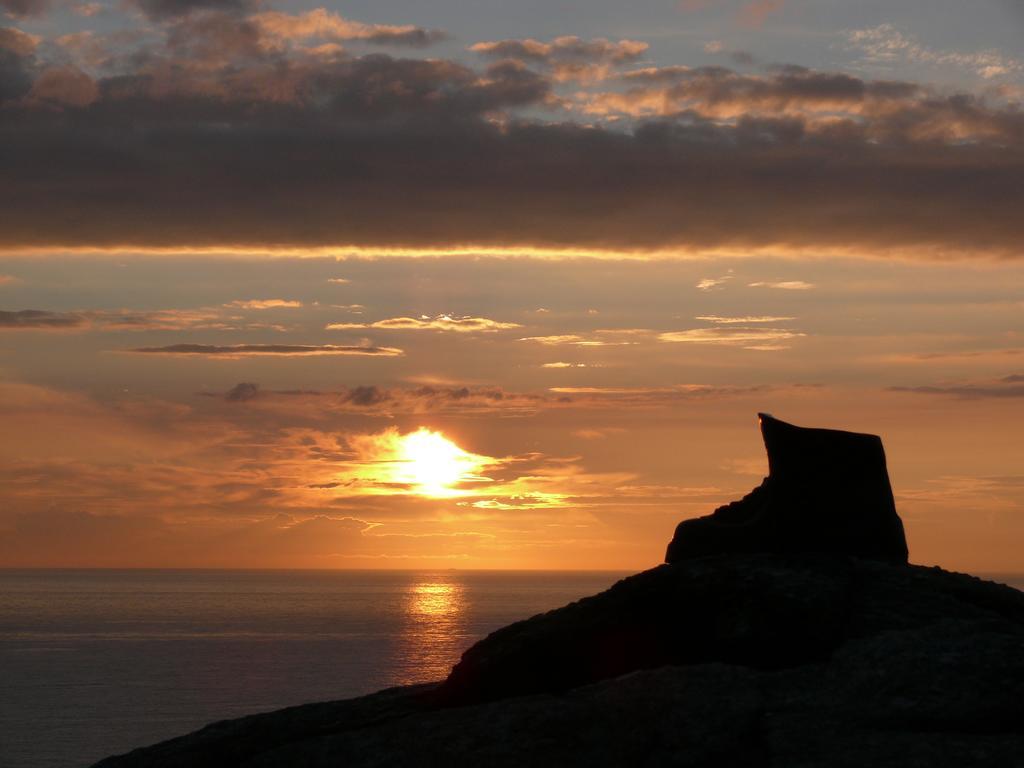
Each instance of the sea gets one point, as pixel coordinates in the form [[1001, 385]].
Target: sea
[[98, 662]]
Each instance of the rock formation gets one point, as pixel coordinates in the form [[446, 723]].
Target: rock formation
[[826, 491], [780, 661], [799, 657]]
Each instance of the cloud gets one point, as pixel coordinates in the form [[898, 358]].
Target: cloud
[[753, 14], [23, 9], [718, 319], [17, 63], [598, 434], [121, 320], [713, 283], [785, 285], [339, 280], [455, 323], [695, 160], [17, 43], [785, 92], [996, 355], [466, 401], [63, 86], [265, 304], [763, 339], [1008, 387], [36, 319], [322, 24], [370, 399], [886, 45], [563, 365], [575, 340], [566, 47], [168, 9], [655, 396], [7, 279], [242, 392], [567, 57], [233, 351], [88, 10]]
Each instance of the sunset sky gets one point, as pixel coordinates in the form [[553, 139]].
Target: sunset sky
[[499, 285]]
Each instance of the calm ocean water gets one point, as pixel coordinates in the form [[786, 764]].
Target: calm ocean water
[[94, 663]]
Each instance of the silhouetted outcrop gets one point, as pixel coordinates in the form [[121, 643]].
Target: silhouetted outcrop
[[826, 491], [805, 656], [740, 660]]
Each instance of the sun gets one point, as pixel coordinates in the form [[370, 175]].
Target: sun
[[435, 465]]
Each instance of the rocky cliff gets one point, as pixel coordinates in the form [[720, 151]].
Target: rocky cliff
[[751, 654]]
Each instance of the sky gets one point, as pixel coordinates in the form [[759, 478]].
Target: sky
[[498, 285]]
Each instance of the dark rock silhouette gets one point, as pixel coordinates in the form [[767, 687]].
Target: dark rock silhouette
[[801, 657], [826, 491], [789, 661]]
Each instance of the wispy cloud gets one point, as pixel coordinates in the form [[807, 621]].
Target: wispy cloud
[[37, 319], [762, 339], [1011, 386], [233, 351], [325, 25], [718, 319], [265, 304], [567, 57], [455, 323], [886, 45], [713, 283], [124, 320], [784, 285], [573, 339], [598, 433], [655, 396], [374, 400]]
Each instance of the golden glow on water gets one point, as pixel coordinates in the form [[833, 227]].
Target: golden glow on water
[[436, 600], [434, 632]]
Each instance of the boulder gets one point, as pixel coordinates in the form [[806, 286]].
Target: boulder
[[827, 491]]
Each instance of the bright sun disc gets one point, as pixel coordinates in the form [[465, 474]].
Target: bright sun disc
[[435, 464]]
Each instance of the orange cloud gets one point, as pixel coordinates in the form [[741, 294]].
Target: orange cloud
[[320, 23], [785, 285], [265, 304], [764, 339], [574, 340], [438, 323], [718, 319]]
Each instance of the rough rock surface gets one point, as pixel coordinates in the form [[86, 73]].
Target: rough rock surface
[[738, 660], [826, 491]]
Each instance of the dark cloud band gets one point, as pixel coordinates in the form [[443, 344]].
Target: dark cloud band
[[383, 152], [248, 350]]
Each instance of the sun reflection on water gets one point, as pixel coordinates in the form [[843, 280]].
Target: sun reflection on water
[[434, 630], [435, 600]]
